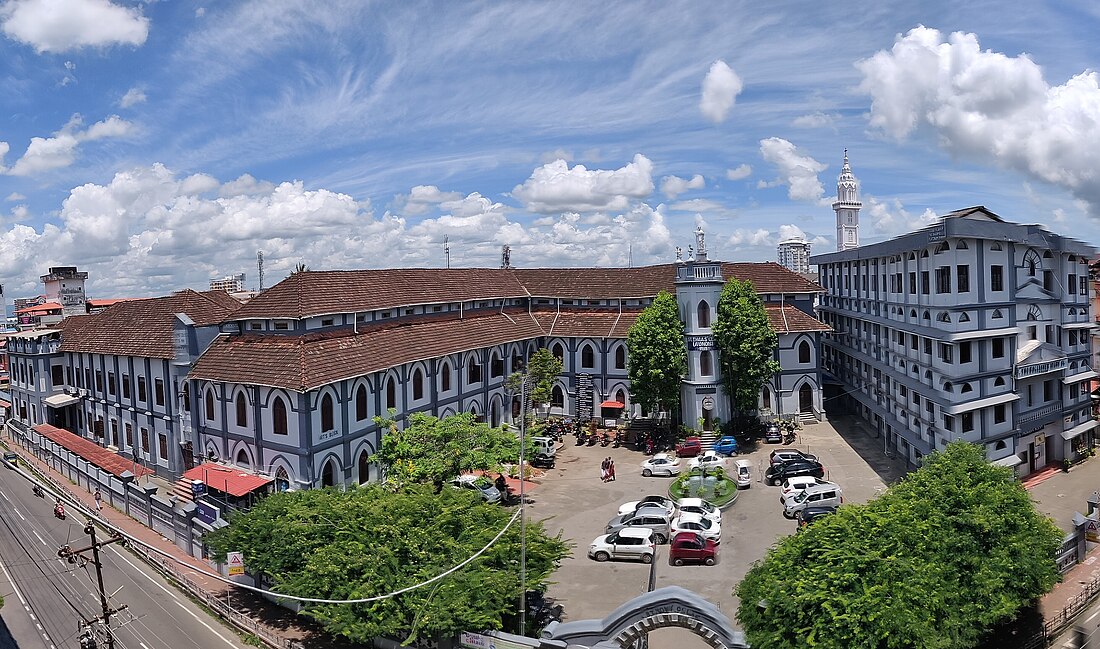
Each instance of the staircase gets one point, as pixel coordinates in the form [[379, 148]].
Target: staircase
[[707, 438], [807, 418], [181, 489]]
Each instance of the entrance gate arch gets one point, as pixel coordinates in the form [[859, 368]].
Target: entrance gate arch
[[671, 606]]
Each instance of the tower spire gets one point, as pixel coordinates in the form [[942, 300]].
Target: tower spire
[[847, 206]]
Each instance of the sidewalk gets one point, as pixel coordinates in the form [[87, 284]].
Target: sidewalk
[[1073, 584], [248, 609]]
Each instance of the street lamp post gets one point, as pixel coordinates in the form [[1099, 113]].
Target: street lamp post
[[522, 507]]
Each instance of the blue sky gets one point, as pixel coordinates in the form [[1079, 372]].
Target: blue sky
[[160, 144]]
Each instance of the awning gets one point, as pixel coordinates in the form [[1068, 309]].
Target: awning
[[60, 400], [1079, 325], [92, 452], [1079, 429], [1081, 376], [228, 479], [1010, 461], [612, 404], [981, 403]]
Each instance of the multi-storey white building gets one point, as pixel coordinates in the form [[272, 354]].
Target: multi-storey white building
[[973, 328], [794, 254], [229, 283]]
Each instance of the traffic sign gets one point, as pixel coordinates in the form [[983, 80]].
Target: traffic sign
[[236, 563]]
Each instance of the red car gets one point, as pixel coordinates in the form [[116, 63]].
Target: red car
[[691, 547], [689, 447]]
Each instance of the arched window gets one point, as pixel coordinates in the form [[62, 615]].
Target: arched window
[[620, 396], [588, 357], [965, 388], [1034, 313], [559, 352], [995, 246], [912, 256], [242, 459], [924, 254], [963, 317], [328, 474], [210, 405], [242, 410], [927, 316], [1000, 446], [961, 245], [363, 466], [186, 396], [328, 420], [557, 397], [278, 416], [418, 384], [1031, 262], [999, 382], [947, 386], [804, 352], [620, 357], [943, 317], [473, 371], [996, 314], [706, 364], [446, 377], [391, 393], [913, 313], [282, 480], [361, 402], [766, 399], [943, 247], [703, 314]]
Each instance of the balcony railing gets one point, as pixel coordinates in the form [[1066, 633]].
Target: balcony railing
[[1033, 415]]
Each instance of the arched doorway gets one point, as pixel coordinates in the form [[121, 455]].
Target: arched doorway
[[328, 475], [806, 398], [363, 467], [282, 480]]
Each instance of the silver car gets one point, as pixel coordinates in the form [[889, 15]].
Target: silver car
[[651, 518]]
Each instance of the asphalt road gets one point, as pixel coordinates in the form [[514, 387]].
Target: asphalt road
[[45, 596]]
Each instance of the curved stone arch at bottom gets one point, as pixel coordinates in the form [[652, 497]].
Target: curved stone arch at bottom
[[671, 606], [364, 445], [447, 412], [281, 462], [239, 446]]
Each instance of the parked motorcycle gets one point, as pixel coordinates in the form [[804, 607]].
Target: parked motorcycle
[[592, 439], [37, 490], [618, 440], [605, 439], [581, 439]]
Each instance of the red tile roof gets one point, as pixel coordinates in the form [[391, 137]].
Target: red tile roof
[[586, 323], [144, 327], [40, 308], [227, 479], [786, 319], [107, 460], [305, 362], [315, 293]]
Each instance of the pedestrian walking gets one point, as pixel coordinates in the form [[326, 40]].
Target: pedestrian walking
[[611, 470], [98, 501], [605, 468]]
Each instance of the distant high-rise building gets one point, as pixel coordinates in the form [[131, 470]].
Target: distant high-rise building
[[795, 255], [229, 284]]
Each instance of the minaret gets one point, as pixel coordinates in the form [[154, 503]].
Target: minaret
[[847, 206]]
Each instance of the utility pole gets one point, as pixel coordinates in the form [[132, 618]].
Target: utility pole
[[87, 641]]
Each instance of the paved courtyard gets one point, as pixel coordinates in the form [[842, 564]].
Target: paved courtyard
[[573, 500]]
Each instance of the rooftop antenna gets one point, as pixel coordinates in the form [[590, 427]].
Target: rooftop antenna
[[506, 256], [447, 250], [260, 269], [630, 255]]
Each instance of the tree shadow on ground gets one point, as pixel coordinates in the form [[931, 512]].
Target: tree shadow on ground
[[868, 444]]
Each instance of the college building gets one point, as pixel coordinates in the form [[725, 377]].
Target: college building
[[973, 328], [288, 385]]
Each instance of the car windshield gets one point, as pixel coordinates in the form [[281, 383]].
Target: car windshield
[[803, 495]]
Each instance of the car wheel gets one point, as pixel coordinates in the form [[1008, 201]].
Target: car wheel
[[677, 562], [602, 556], [709, 561], [787, 515], [659, 539], [770, 481], [647, 558], [646, 473]]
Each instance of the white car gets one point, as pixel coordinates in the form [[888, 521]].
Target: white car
[[481, 484], [661, 502], [661, 464], [744, 474], [708, 460], [796, 485], [628, 543], [701, 507], [698, 524]]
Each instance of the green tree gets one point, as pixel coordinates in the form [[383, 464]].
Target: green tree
[[745, 342], [936, 561], [433, 450], [542, 369], [370, 541], [657, 357], [300, 267]]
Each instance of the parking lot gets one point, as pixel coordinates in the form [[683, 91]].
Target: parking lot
[[573, 499]]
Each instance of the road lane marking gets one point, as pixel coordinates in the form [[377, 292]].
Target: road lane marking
[[143, 645], [40, 538], [16, 510], [173, 596], [1089, 619], [5, 496]]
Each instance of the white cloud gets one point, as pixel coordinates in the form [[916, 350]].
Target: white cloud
[[200, 12], [63, 25], [791, 231], [796, 170], [15, 196], [246, 185], [555, 187], [720, 89], [46, 153], [985, 105], [816, 120], [422, 198], [556, 154], [673, 186], [889, 218], [759, 237], [198, 184], [697, 205], [133, 97], [741, 171]]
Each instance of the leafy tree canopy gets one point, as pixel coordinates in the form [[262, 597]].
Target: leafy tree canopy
[[542, 369], [937, 560], [658, 359], [433, 450], [745, 342], [371, 541]]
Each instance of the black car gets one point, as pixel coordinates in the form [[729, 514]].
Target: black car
[[773, 435], [779, 472], [542, 461], [810, 514], [784, 455]]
